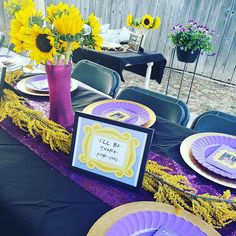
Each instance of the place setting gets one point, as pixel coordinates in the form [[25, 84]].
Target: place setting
[[150, 219], [124, 111], [38, 85], [212, 155]]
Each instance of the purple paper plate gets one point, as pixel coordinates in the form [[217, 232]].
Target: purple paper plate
[[37, 83], [122, 111], [149, 223], [205, 146]]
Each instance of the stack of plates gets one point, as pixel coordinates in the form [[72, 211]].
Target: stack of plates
[[150, 219], [10, 62], [38, 85], [213, 155], [124, 111]]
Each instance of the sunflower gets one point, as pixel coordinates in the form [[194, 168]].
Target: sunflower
[[94, 23], [157, 22], [13, 6], [147, 21], [71, 24], [39, 42], [22, 18], [63, 46], [129, 20], [53, 12]]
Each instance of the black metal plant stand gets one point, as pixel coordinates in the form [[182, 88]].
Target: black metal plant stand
[[184, 70]]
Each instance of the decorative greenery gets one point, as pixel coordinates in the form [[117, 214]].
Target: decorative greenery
[[176, 190], [193, 37], [51, 39], [145, 22], [33, 122]]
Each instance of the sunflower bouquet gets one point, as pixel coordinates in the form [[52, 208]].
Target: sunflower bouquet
[[145, 22], [51, 39]]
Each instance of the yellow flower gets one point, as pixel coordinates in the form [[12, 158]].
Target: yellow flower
[[98, 40], [71, 24], [14, 6], [94, 23], [39, 42], [129, 20], [147, 21], [22, 18], [53, 12], [63, 46], [157, 22]]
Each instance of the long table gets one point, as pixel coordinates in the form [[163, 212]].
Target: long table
[[35, 199]]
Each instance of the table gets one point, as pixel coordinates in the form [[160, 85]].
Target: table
[[35, 199], [148, 64]]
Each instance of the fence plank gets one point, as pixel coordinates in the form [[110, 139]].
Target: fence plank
[[218, 14]]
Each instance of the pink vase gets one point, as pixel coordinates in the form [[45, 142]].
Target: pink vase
[[59, 79]]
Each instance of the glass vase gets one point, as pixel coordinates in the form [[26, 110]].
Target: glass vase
[[143, 33], [59, 80]]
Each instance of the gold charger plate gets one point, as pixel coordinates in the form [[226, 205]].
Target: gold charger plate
[[102, 225], [152, 115], [21, 86], [186, 153]]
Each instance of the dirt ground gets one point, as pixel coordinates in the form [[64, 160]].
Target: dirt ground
[[206, 94]]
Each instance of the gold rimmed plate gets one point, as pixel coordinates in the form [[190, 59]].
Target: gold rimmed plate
[[124, 111], [186, 153], [147, 210], [21, 86]]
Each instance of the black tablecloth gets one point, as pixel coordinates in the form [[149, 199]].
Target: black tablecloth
[[118, 60], [37, 200]]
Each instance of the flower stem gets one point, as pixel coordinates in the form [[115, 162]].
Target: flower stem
[[68, 53]]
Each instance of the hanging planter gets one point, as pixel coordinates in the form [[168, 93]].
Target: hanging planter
[[188, 56]]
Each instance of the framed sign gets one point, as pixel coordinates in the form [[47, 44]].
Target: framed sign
[[110, 149], [135, 41], [2, 77]]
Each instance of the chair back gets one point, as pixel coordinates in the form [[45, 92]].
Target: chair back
[[3, 70], [97, 76], [215, 121], [163, 106]]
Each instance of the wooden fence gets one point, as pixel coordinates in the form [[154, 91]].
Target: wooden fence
[[217, 14]]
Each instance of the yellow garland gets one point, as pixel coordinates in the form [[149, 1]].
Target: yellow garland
[[12, 76], [176, 190], [171, 189], [32, 121]]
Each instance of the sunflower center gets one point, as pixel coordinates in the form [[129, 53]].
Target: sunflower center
[[146, 21], [43, 43]]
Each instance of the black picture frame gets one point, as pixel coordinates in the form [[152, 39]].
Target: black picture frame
[[135, 41], [78, 144], [3, 70]]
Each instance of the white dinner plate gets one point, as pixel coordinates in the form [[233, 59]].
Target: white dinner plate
[[22, 87], [186, 153]]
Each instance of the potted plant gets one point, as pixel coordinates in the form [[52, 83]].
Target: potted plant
[[191, 39]]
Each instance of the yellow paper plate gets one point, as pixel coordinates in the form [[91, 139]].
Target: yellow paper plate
[[150, 112], [102, 225]]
